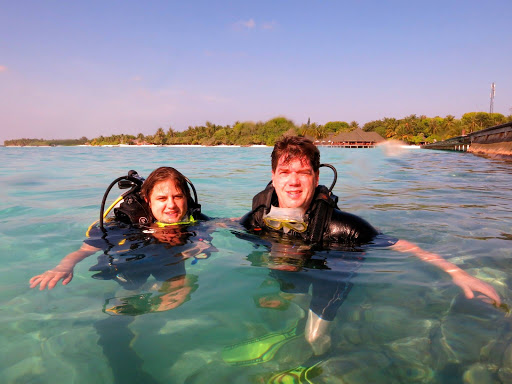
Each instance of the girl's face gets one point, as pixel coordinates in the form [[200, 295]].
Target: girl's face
[[167, 203]]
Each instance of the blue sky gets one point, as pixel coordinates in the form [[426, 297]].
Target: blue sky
[[70, 69]]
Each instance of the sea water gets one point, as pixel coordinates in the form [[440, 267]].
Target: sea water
[[404, 321]]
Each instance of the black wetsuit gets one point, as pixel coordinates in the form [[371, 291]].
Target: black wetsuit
[[131, 254], [327, 224], [328, 227]]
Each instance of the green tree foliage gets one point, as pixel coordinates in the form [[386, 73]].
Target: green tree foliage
[[337, 126], [42, 142], [422, 129], [353, 125], [412, 129], [159, 137]]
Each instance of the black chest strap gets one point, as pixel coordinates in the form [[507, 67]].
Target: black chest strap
[[320, 214]]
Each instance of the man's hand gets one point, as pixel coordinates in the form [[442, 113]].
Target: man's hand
[[464, 280], [471, 284]]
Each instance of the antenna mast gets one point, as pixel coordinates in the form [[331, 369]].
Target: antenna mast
[[493, 92]]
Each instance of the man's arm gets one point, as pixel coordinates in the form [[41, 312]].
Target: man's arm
[[469, 284], [63, 271]]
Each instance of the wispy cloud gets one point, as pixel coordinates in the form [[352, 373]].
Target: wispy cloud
[[3, 68], [137, 78], [251, 24], [248, 24], [269, 25]]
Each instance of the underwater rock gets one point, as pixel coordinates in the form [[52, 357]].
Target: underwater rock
[[478, 374], [195, 366], [380, 325], [27, 370], [507, 357], [368, 366], [412, 372], [349, 334], [411, 359], [412, 348], [456, 340], [177, 326], [505, 375]]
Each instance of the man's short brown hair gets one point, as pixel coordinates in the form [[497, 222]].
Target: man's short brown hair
[[295, 147]]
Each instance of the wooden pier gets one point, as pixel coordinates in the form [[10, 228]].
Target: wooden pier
[[494, 141]]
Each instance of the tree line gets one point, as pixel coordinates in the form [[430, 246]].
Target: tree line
[[422, 129], [46, 143], [412, 129]]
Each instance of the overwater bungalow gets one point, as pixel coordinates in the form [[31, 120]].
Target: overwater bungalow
[[354, 139]]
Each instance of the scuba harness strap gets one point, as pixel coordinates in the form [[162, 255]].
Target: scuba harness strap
[[320, 213], [133, 209], [262, 202]]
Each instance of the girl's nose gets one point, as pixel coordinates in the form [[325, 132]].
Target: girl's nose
[[171, 203]]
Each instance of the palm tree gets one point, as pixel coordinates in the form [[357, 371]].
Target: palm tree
[[353, 125], [448, 123], [159, 137], [410, 124], [391, 126], [320, 131]]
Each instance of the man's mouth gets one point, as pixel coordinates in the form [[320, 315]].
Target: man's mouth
[[294, 194]]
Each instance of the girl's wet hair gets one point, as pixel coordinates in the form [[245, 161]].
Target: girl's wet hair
[[165, 174], [295, 147]]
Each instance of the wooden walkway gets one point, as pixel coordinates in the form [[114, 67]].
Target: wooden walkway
[[495, 140]]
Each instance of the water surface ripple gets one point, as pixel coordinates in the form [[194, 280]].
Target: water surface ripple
[[402, 322]]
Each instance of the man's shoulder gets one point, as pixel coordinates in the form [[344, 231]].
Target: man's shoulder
[[347, 226]]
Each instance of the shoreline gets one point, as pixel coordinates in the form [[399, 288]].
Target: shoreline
[[139, 146]]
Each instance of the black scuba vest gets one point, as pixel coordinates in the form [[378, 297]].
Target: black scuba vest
[[319, 214], [133, 210], [327, 224]]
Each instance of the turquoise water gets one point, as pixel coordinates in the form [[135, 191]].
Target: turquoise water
[[402, 322]]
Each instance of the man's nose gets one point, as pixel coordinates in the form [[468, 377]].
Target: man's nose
[[294, 178]]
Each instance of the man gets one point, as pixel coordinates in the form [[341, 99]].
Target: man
[[297, 207]]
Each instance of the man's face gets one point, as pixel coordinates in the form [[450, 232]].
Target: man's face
[[295, 183]]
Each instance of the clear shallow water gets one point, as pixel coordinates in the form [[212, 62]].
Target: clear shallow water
[[403, 321]]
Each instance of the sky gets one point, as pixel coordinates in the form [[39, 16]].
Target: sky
[[88, 68]]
